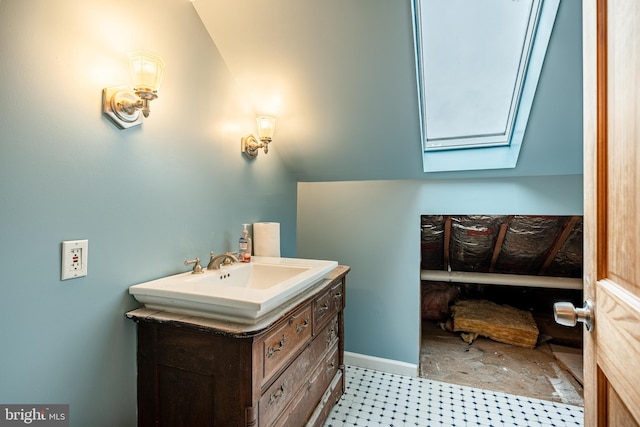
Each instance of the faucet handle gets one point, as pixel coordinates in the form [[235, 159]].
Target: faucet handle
[[197, 268]]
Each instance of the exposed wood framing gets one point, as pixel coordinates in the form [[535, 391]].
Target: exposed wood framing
[[562, 237], [498, 246], [447, 239], [534, 245]]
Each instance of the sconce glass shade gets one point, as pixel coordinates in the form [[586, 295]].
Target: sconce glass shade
[[266, 127], [123, 106], [249, 144], [146, 71]]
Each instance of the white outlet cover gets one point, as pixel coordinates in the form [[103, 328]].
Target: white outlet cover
[[75, 256]]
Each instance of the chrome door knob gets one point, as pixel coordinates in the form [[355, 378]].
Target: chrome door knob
[[567, 314]]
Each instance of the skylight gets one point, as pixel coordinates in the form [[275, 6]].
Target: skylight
[[478, 66]]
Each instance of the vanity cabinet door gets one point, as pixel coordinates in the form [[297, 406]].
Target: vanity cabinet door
[[281, 344], [188, 377]]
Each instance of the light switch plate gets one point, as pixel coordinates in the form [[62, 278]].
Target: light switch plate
[[75, 254]]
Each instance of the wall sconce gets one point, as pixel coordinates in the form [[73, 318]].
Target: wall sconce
[[250, 145], [122, 105]]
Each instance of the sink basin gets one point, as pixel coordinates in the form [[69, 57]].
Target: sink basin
[[241, 292]]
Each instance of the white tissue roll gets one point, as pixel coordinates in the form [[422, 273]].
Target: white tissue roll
[[266, 239]]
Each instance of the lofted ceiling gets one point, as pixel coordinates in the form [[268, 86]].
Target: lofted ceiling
[[340, 77]]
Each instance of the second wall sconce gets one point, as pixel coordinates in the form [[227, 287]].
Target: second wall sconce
[[122, 105], [249, 143]]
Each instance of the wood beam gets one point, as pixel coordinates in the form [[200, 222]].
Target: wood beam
[[497, 248], [447, 240], [560, 240]]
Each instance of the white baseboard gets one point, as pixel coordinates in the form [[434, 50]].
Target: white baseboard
[[380, 364]]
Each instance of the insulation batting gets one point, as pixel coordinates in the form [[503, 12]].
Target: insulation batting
[[472, 240], [499, 322], [568, 260], [432, 242], [527, 242], [436, 299]]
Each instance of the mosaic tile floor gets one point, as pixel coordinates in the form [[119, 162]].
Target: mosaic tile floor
[[376, 398]]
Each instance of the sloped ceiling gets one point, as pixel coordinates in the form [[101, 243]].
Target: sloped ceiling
[[512, 244], [340, 77]]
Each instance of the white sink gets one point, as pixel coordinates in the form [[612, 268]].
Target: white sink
[[241, 292]]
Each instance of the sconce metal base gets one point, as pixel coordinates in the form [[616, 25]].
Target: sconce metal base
[[112, 100], [249, 145]]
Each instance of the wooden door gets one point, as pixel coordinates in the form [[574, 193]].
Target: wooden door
[[611, 46]]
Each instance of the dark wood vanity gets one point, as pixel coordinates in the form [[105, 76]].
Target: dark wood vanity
[[195, 371]]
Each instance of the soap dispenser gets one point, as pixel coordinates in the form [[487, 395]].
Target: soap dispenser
[[247, 254], [244, 245]]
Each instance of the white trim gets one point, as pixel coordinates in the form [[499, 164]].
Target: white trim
[[379, 364]]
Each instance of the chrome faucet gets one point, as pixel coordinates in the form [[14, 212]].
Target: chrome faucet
[[216, 261]]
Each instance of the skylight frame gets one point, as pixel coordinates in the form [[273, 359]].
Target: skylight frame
[[489, 154]]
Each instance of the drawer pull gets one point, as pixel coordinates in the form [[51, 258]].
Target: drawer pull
[[324, 307], [331, 367], [337, 295], [272, 350], [331, 334], [313, 380], [301, 326], [279, 392]]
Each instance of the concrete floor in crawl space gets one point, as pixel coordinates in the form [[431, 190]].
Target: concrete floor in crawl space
[[491, 365]]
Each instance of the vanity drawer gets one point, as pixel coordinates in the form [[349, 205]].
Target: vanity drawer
[[329, 335], [284, 388], [312, 391], [279, 346], [328, 304], [330, 397]]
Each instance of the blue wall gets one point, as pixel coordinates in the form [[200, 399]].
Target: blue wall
[[374, 227], [356, 107], [146, 198]]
